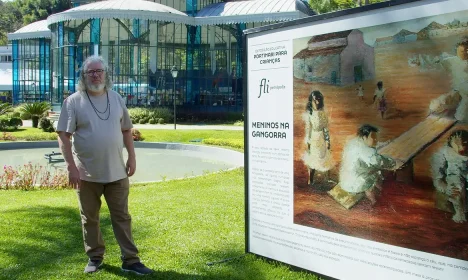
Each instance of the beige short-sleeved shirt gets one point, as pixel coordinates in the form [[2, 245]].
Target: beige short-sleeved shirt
[[97, 143]]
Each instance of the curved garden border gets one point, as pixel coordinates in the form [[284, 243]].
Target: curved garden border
[[216, 153]]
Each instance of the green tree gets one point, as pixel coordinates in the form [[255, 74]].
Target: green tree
[[17, 13], [5, 108], [327, 6], [35, 110], [34, 10], [10, 20]]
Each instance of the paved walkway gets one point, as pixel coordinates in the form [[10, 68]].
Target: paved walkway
[[28, 123], [188, 127]]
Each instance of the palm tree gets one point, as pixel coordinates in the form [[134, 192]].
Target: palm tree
[[5, 108], [36, 110]]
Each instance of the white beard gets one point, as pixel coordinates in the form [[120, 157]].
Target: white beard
[[96, 87]]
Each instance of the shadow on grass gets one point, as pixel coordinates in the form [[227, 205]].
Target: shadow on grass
[[235, 264], [39, 236], [238, 265], [13, 130], [229, 264], [156, 275], [43, 241]]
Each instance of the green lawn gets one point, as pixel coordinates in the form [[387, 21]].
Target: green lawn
[[226, 138], [179, 226], [184, 136]]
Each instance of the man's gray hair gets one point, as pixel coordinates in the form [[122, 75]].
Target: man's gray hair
[[84, 68]]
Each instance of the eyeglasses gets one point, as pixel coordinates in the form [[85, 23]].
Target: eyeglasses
[[92, 72]]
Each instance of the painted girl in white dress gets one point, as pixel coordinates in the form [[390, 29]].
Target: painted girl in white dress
[[317, 137], [360, 91]]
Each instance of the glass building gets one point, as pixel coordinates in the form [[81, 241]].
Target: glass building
[[31, 63], [142, 41]]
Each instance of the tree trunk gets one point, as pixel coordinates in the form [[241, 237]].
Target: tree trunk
[[35, 121]]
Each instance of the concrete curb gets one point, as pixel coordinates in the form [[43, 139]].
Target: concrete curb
[[168, 126], [28, 145]]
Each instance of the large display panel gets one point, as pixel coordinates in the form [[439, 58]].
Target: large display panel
[[357, 142]]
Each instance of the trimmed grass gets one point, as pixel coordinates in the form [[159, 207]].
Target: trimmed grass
[[150, 135], [179, 226], [184, 136], [224, 138], [214, 137]]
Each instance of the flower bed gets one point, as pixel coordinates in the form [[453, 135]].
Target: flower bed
[[32, 177]]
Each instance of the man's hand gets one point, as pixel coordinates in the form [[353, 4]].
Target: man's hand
[[131, 166], [65, 147], [74, 177], [454, 193]]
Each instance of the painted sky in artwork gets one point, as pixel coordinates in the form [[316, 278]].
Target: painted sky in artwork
[[380, 31]]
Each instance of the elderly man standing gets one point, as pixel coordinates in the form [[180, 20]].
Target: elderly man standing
[[99, 122]]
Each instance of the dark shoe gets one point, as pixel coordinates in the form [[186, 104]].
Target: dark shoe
[[137, 268], [92, 266]]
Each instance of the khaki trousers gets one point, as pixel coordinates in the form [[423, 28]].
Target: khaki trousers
[[116, 195]]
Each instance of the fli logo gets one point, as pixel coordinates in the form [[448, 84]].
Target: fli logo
[[264, 87]]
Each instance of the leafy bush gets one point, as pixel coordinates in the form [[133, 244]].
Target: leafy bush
[[46, 125], [152, 121], [136, 114], [31, 177], [142, 121], [162, 113], [233, 143], [136, 135], [7, 123], [4, 122], [160, 121], [15, 122]]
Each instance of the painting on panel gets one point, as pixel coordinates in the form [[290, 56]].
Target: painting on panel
[[381, 133]]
